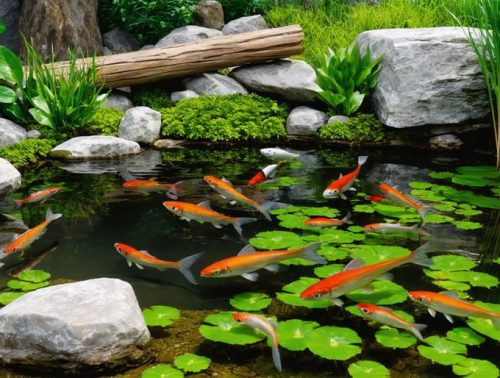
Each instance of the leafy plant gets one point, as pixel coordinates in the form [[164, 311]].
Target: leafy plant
[[381, 292], [474, 368], [104, 122], [361, 128], [250, 301], [236, 8], [192, 363], [275, 240], [393, 338], [333, 343], [162, 371], [485, 326], [160, 315], [154, 98], [11, 84], [223, 328], [27, 280], [368, 369], [442, 351], [27, 152], [292, 290], [465, 336], [346, 77], [292, 334]]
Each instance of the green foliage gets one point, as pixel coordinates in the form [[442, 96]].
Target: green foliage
[[393, 338], [250, 301], [292, 333], [225, 118], [160, 315], [222, 327], [485, 326], [154, 98], [346, 77], [275, 239], [361, 128], [368, 369], [27, 152], [27, 280], [11, 84], [383, 293], [442, 350], [104, 122], [34, 275], [465, 336], [236, 8], [192, 363], [474, 368], [333, 343], [162, 371]]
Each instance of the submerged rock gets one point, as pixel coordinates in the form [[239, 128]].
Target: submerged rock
[[10, 178], [446, 141], [95, 147], [119, 41], [181, 95], [214, 84], [10, 133], [140, 124]]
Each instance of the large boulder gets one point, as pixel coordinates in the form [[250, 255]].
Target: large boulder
[[305, 121], [71, 326], [140, 124], [293, 80], [214, 84], [187, 33], [428, 77], [209, 14], [244, 25], [95, 147], [10, 178], [10, 132], [9, 15]]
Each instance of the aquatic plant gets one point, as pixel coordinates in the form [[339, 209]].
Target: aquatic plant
[[292, 334], [192, 363], [332, 253], [27, 280], [380, 292], [160, 315], [368, 369], [275, 240], [280, 182], [333, 343], [394, 338], [162, 371], [9, 296], [27, 152], [292, 291], [361, 128], [442, 350], [474, 368], [221, 327], [465, 336], [485, 326], [371, 254], [104, 122], [328, 270], [250, 301], [451, 263]]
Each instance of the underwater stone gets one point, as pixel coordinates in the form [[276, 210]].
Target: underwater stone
[[95, 147], [10, 178], [446, 141], [245, 25], [10, 132], [187, 33], [140, 124], [33, 134], [305, 121], [214, 84]]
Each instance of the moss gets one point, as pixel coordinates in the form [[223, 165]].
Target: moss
[[104, 122], [362, 128], [27, 152], [225, 118], [154, 98]]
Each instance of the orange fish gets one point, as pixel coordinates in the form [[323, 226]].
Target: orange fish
[[448, 304], [394, 195], [248, 261], [356, 275], [376, 198], [264, 173], [392, 228], [344, 183], [24, 240], [328, 222], [152, 185], [40, 196], [143, 258]]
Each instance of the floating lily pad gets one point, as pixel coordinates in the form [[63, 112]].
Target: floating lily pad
[[420, 185], [444, 207], [485, 326], [427, 195], [298, 262], [467, 211], [328, 270], [333, 343], [393, 338], [452, 263], [192, 363], [472, 180], [438, 218], [26, 286], [294, 221], [223, 328], [486, 171], [275, 239], [292, 333], [9, 296], [333, 235], [367, 369], [250, 301], [395, 211], [441, 175], [465, 336], [442, 350], [324, 211], [455, 286], [497, 260], [371, 254], [280, 182], [162, 371], [474, 368], [467, 225], [293, 290], [333, 253], [364, 208], [478, 279], [384, 293], [160, 315], [35, 276], [355, 229]]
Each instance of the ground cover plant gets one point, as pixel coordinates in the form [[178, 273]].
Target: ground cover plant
[[27, 152], [360, 128]]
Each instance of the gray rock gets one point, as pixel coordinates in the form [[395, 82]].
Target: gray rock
[[118, 101], [181, 95], [214, 84], [293, 80], [64, 325], [338, 118], [127, 89], [106, 51], [10, 178], [187, 33], [446, 141], [119, 41], [10, 133], [244, 25], [305, 121], [140, 124], [210, 14], [33, 134], [9, 14], [147, 47], [428, 76], [168, 143], [95, 147]]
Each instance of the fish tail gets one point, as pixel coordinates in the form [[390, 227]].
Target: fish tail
[[347, 218], [265, 207], [18, 203], [362, 160], [496, 322], [417, 327], [420, 230], [422, 212], [276, 356], [419, 256], [173, 191], [241, 221], [185, 267], [51, 216], [310, 253]]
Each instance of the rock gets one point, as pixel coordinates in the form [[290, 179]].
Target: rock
[[118, 101], [293, 80], [9, 14], [33, 134], [187, 33], [181, 95], [168, 143], [428, 76], [59, 25], [214, 84], [119, 41], [10, 178], [140, 124], [209, 14], [10, 133], [338, 118], [305, 121], [244, 25], [127, 89], [8, 223], [75, 325], [446, 141], [95, 147], [147, 47]]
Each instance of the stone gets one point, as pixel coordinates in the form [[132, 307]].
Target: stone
[[75, 325], [9, 14], [429, 76], [186, 34], [73, 25], [33, 134], [147, 47], [181, 95], [140, 124], [95, 147], [119, 41], [10, 178], [10, 132], [168, 144], [209, 14], [292, 80], [214, 84], [305, 121], [118, 101], [244, 25], [338, 118], [446, 142]]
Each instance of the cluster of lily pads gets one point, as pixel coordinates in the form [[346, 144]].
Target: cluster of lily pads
[[27, 280]]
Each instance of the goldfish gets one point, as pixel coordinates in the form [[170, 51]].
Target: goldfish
[[448, 304], [389, 228], [376, 198], [24, 240], [40, 196], [328, 222], [32, 261], [152, 185], [248, 261], [277, 153], [386, 316], [343, 183], [266, 326], [143, 258], [356, 275], [264, 173], [203, 213], [396, 196], [226, 190]]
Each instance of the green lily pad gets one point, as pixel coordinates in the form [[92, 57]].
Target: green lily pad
[[355, 229], [223, 328], [485, 326], [427, 195], [467, 196], [292, 333], [438, 218], [9, 296], [452, 263], [275, 239], [250, 301], [442, 350], [420, 185], [474, 368], [328, 270], [384, 293], [465, 336], [497, 260], [160, 315], [293, 290], [26, 286], [371, 254], [441, 175], [472, 180], [364, 208], [452, 286], [333, 253], [35, 276], [367, 369], [294, 221], [280, 182], [353, 309], [444, 207], [395, 211], [324, 211], [468, 212], [467, 225], [333, 343], [162, 371], [393, 338], [477, 279], [297, 261], [192, 363], [486, 171], [332, 235]]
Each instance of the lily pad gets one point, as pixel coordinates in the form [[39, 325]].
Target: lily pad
[[364, 208], [292, 333], [293, 291], [384, 293], [328, 270], [485, 326], [472, 180], [455, 286], [192, 363], [468, 212], [486, 171], [452, 263], [160, 315], [438, 218], [467, 225], [35, 275], [393, 338], [465, 336], [162, 371], [324, 211], [297, 261], [371, 254], [444, 207], [367, 369], [280, 182], [9, 296], [333, 343], [395, 211], [478, 279], [333, 235], [250, 301], [442, 350], [275, 239], [474, 368], [26, 286], [333, 253], [441, 175], [427, 195], [223, 328], [355, 229], [294, 221], [420, 185]]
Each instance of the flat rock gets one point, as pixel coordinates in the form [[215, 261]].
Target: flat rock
[[181, 95], [119, 41], [118, 101], [10, 132], [95, 147], [10, 178], [140, 124], [214, 84], [33, 134], [245, 24], [338, 118], [446, 142], [209, 14], [187, 33], [303, 120]]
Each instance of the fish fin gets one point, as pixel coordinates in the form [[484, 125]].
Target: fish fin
[[173, 191], [310, 253], [422, 232], [129, 263], [450, 294], [342, 195], [51, 216], [238, 222], [341, 175], [265, 207], [432, 312], [216, 225], [337, 302], [417, 327], [347, 218], [367, 289], [352, 189], [226, 181], [276, 357], [422, 212], [251, 276], [386, 277], [185, 267], [139, 266], [273, 323], [205, 205], [419, 256], [184, 218], [354, 264], [362, 160], [449, 318], [496, 322], [246, 250], [272, 268], [146, 253]]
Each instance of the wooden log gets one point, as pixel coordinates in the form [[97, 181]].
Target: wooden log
[[196, 57]]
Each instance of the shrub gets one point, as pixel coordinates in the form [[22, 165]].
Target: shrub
[[362, 128], [104, 122], [154, 98], [237, 8], [225, 118], [27, 152]]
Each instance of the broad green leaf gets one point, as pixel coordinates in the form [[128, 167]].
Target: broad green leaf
[[487, 171], [333, 235], [160, 315], [442, 351], [34, 275], [250, 301], [328, 270], [475, 278], [438, 218], [384, 293], [192, 363], [333, 253], [11, 69], [465, 336], [393, 338], [371, 254], [26, 286], [444, 207], [420, 185], [452, 285], [7, 95], [275, 240], [292, 333], [368, 369], [452, 263], [485, 326], [441, 175], [9, 296], [472, 180], [466, 225], [162, 371], [474, 368], [333, 343], [293, 290], [223, 328]]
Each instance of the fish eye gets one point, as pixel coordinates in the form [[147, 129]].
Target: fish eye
[[365, 310], [421, 299], [216, 272], [317, 296]]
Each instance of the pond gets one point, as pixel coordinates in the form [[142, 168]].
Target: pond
[[99, 212]]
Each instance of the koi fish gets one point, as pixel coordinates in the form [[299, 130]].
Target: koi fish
[[227, 190], [328, 222], [277, 153], [152, 185], [264, 173], [396, 196], [143, 258], [386, 316], [392, 228], [266, 326], [343, 183], [248, 261], [24, 240], [356, 275], [448, 304], [203, 213], [376, 198], [32, 261], [40, 196]]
